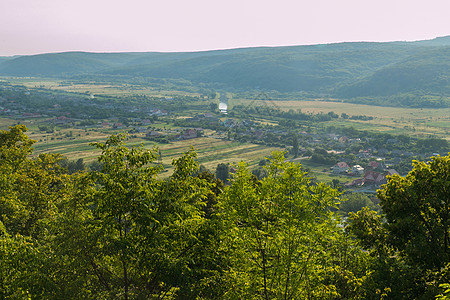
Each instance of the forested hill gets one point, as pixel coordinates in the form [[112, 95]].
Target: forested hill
[[427, 71], [345, 69]]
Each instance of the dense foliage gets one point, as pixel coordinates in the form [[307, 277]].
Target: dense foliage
[[120, 232]]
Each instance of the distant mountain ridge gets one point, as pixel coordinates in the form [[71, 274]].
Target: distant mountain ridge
[[344, 69]]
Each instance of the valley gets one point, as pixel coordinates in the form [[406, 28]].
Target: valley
[[66, 117]]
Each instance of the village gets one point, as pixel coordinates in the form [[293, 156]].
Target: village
[[360, 159]]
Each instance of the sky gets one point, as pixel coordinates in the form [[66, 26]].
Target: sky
[[42, 26]]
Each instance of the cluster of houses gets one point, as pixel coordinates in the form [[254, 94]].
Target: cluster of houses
[[185, 134], [375, 173]]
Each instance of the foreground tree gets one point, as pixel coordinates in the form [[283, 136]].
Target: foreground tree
[[281, 237], [135, 235], [411, 239], [417, 210], [120, 231], [31, 189]]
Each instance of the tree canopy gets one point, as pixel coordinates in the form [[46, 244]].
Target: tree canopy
[[119, 231]]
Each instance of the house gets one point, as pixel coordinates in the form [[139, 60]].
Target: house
[[62, 120], [357, 140], [140, 129], [373, 165], [31, 115], [343, 139], [340, 167], [189, 134], [230, 123], [333, 136], [392, 141], [357, 170], [248, 123], [158, 112], [391, 172], [363, 154], [152, 134], [372, 177], [258, 134]]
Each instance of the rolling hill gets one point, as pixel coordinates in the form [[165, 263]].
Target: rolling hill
[[342, 70], [428, 72]]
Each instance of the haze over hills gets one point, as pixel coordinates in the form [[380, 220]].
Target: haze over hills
[[341, 70]]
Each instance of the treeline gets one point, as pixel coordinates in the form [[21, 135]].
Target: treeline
[[120, 231], [419, 99], [286, 117], [81, 105]]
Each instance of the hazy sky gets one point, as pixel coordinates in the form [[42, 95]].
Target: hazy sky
[[37, 26]]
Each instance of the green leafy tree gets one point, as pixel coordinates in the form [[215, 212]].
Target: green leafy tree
[[223, 172], [417, 210], [31, 189], [280, 234], [134, 235], [355, 202], [23, 268], [446, 293], [213, 107], [410, 239], [295, 146]]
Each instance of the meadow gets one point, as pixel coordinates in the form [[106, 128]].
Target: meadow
[[418, 122], [75, 144], [95, 88]]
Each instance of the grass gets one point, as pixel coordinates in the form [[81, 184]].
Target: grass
[[322, 173], [394, 120], [211, 151], [94, 88], [74, 147], [5, 123]]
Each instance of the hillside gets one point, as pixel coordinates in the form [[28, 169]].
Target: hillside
[[339, 70], [428, 72], [4, 58], [60, 64], [286, 69]]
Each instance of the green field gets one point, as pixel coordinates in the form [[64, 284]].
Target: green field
[[94, 88], [74, 143], [395, 120], [211, 151], [410, 121]]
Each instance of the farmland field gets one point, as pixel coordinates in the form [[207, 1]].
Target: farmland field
[[396, 120], [213, 151], [110, 89], [73, 141]]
